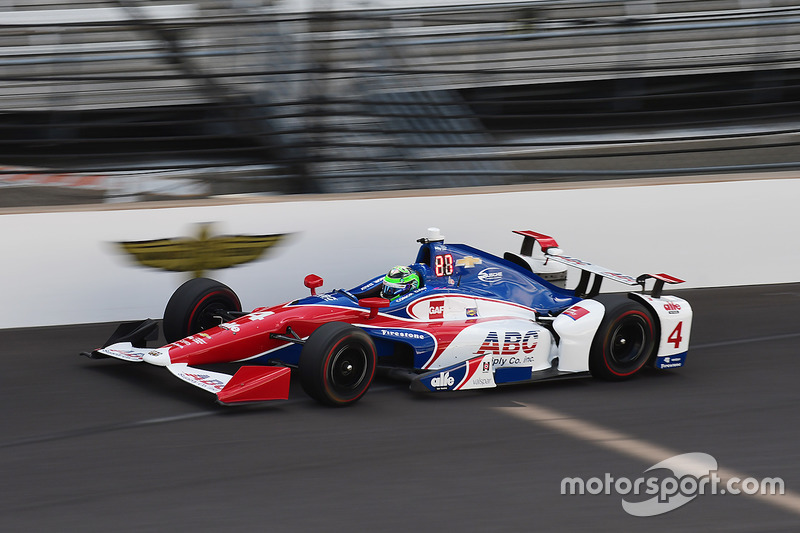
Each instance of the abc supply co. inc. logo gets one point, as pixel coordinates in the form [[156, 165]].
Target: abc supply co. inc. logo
[[682, 478]]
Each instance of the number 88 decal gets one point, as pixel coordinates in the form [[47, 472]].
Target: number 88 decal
[[443, 265]]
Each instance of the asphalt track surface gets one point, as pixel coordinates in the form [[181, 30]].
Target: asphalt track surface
[[110, 446]]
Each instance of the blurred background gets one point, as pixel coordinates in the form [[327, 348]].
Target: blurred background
[[138, 100]]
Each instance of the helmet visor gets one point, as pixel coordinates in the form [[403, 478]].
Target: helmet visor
[[393, 289]]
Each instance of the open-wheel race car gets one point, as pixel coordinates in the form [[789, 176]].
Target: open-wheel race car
[[458, 318]]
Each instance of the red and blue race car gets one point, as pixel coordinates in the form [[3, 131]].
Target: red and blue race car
[[472, 321]]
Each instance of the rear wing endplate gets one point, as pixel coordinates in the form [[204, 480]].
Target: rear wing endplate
[[552, 251]]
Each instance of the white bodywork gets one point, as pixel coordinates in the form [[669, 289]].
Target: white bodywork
[[577, 326], [675, 319]]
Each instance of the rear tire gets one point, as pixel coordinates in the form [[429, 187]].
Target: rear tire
[[337, 364], [194, 305], [625, 340]]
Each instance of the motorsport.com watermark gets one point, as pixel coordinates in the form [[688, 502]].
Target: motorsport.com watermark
[[692, 474]]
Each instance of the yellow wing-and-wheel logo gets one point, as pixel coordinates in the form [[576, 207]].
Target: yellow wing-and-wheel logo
[[202, 253]]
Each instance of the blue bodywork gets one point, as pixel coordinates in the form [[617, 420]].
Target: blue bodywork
[[492, 277], [447, 269], [470, 272]]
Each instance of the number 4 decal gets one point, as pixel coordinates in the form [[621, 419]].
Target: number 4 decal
[[675, 337]]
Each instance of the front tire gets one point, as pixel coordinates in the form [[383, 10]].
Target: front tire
[[625, 340], [337, 364], [195, 305]]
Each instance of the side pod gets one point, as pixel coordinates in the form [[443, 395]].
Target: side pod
[[475, 373]]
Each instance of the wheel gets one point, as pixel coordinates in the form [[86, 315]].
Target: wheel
[[625, 339], [337, 364], [194, 305]]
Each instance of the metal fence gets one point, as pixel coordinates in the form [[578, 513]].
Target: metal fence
[[214, 97]]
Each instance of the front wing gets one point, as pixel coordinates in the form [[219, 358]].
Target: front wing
[[248, 384]]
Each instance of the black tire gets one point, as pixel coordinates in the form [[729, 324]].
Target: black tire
[[337, 364], [625, 340], [193, 306]]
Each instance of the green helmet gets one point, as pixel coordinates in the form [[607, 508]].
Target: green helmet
[[400, 280]]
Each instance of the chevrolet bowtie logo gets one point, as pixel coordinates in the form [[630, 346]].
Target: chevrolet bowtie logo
[[468, 262], [202, 253]]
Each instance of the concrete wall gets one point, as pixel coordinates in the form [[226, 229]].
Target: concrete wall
[[63, 266]]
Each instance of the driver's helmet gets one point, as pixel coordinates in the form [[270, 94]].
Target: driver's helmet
[[400, 280]]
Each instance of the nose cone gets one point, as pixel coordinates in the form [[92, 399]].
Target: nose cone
[[157, 356]]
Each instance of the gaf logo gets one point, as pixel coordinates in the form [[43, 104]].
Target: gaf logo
[[443, 381], [672, 308], [436, 310], [490, 275]]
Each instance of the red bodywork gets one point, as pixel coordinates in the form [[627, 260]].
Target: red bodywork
[[249, 337]]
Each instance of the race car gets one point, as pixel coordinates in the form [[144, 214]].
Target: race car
[[457, 318]]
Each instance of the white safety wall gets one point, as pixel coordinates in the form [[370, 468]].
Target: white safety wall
[[64, 267]]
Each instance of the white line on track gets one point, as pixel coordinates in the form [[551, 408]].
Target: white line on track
[[630, 446], [743, 341], [92, 430]]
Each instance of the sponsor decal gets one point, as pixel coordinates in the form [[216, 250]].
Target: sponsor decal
[[121, 352], [443, 381], [367, 287], [201, 253], [623, 277], [436, 309], [481, 382], [468, 261], [671, 361], [574, 261], [575, 312], [513, 343], [472, 312], [672, 307], [205, 379], [402, 334], [233, 328], [490, 275], [486, 366], [410, 295]]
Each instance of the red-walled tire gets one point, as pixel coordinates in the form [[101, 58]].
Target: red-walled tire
[[193, 306], [625, 340], [337, 364]]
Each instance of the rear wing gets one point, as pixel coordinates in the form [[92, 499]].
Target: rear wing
[[552, 251]]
